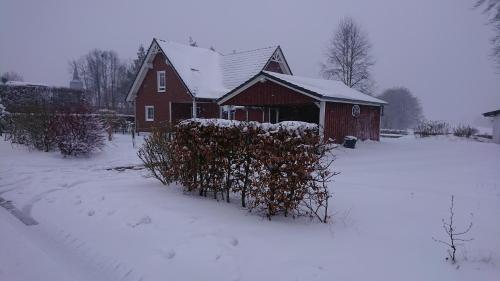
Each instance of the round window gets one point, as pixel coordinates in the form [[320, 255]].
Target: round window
[[356, 110]]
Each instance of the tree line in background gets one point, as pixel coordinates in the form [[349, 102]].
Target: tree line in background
[[348, 58], [11, 76], [107, 78]]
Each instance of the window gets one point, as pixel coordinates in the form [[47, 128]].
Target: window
[[150, 113], [161, 80]]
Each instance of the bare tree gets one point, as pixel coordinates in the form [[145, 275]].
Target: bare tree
[[348, 57], [454, 236], [403, 110], [492, 9], [104, 75], [11, 76]]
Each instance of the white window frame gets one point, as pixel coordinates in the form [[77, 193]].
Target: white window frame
[[146, 111], [161, 88]]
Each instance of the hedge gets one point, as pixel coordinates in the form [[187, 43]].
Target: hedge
[[275, 169]]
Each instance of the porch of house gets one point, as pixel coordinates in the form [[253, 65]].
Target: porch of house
[[307, 112], [184, 110]]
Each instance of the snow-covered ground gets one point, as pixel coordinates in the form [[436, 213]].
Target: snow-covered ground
[[96, 224]]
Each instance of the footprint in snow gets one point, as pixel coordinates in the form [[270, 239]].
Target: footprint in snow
[[143, 220], [168, 255], [235, 242], [171, 254], [91, 213]]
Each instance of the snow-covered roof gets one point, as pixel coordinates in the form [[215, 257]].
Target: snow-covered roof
[[209, 74], [240, 66], [326, 89], [23, 83], [492, 113], [199, 68]]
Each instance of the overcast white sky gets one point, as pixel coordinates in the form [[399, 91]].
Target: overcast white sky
[[437, 48]]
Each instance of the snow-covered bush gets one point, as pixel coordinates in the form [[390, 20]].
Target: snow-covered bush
[[43, 129], [156, 154], [394, 131], [274, 168], [110, 120], [79, 133], [3, 113], [35, 129], [427, 128], [464, 131]]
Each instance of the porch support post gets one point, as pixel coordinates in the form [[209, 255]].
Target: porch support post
[[221, 110], [322, 111], [194, 108], [170, 111]]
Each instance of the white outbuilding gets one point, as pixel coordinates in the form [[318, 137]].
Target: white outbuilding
[[496, 124]]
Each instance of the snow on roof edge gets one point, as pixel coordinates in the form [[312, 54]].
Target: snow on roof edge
[[326, 88]]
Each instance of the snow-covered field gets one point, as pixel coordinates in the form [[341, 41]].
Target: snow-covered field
[[95, 224]]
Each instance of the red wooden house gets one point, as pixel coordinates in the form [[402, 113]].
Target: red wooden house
[[178, 82]]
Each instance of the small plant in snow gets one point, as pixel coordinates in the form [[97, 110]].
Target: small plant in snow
[[2, 109], [464, 131], [3, 112], [427, 128], [110, 120], [455, 237]]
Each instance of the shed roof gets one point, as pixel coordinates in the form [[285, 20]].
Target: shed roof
[[492, 113], [319, 89], [327, 89]]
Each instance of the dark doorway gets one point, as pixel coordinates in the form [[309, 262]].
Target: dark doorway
[[305, 113]]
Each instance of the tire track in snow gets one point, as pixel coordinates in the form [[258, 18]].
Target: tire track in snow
[[87, 263], [29, 206]]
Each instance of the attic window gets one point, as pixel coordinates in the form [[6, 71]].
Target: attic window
[[161, 81], [276, 57]]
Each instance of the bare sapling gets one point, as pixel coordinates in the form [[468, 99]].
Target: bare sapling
[[455, 238]]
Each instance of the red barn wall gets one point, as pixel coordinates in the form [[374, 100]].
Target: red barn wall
[[148, 94], [274, 67], [181, 111], [339, 122], [175, 93], [208, 110], [268, 94], [254, 114]]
